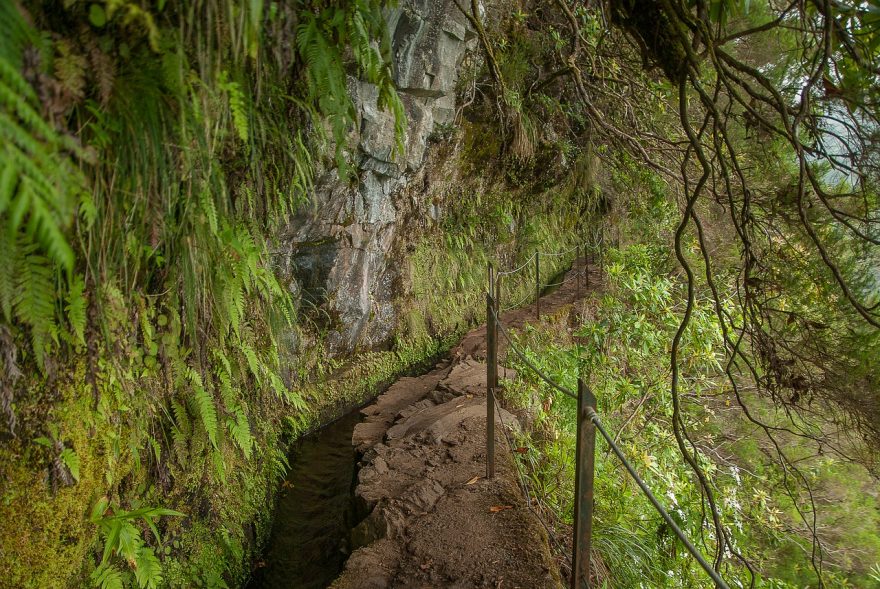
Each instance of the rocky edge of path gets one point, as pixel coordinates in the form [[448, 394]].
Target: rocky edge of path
[[434, 519]]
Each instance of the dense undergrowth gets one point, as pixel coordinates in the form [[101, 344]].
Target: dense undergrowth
[[619, 343]]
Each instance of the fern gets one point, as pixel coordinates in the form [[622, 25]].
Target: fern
[[237, 105], [70, 459], [204, 404], [182, 427], [123, 539], [320, 40], [148, 569], [34, 302], [76, 309], [38, 184], [209, 209], [240, 430], [107, 576], [7, 274]]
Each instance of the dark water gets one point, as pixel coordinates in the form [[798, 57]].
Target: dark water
[[308, 544]]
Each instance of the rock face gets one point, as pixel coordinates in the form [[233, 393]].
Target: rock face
[[338, 249]]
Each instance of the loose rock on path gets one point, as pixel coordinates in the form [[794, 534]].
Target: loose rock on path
[[434, 519]]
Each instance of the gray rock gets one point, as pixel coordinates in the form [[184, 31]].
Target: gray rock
[[337, 250]]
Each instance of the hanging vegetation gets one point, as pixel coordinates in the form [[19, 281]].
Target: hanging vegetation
[[149, 153]]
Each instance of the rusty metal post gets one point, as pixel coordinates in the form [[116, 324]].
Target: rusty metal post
[[587, 249], [538, 284], [498, 311], [583, 489], [491, 373]]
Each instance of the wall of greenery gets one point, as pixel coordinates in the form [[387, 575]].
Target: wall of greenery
[[619, 345], [150, 151]]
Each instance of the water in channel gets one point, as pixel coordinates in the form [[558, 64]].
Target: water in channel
[[308, 544]]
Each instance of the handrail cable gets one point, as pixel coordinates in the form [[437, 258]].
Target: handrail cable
[[529, 259], [515, 270], [594, 417], [503, 330], [568, 276], [519, 303], [565, 253]]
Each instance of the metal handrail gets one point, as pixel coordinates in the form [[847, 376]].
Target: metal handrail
[[515, 270], [566, 252], [519, 303], [593, 417], [503, 330]]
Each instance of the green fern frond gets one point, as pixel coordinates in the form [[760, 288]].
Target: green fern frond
[[209, 208], [237, 105], [107, 576], [7, 274], [204, 404], [76, 308], [240, 430], [253, 361], [148, 569], [70, 459], [34, 302]]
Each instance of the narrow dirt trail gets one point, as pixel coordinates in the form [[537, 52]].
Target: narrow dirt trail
[[434, 519]]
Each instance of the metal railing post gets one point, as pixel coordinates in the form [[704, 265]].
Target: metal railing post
[[538, 284], [498, 278], [583, 489], [491, 373]]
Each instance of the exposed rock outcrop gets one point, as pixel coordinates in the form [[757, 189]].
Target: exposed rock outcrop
[[338, 249]]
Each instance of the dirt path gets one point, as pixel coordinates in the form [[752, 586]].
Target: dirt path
[[434, 520]]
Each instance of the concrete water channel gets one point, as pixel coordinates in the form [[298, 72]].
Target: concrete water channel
[[315, 512]]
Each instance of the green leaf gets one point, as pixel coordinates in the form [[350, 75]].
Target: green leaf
[[97, 16], [129, 540], [99, 509], [204, 403], [71, 461], [107, 577], [148, 569], [76, 308]]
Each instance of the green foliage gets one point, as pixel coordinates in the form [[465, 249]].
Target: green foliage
[[621, 348], [71, 461], [150, 154], [38, 188], [123, 543], [323, 36]]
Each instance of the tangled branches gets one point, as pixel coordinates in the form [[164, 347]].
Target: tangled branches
[[775, 152], [787, 238]]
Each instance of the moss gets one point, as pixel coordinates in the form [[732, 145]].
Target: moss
[[46, 538]]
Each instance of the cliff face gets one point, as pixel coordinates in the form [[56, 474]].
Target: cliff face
[[339, 250]]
